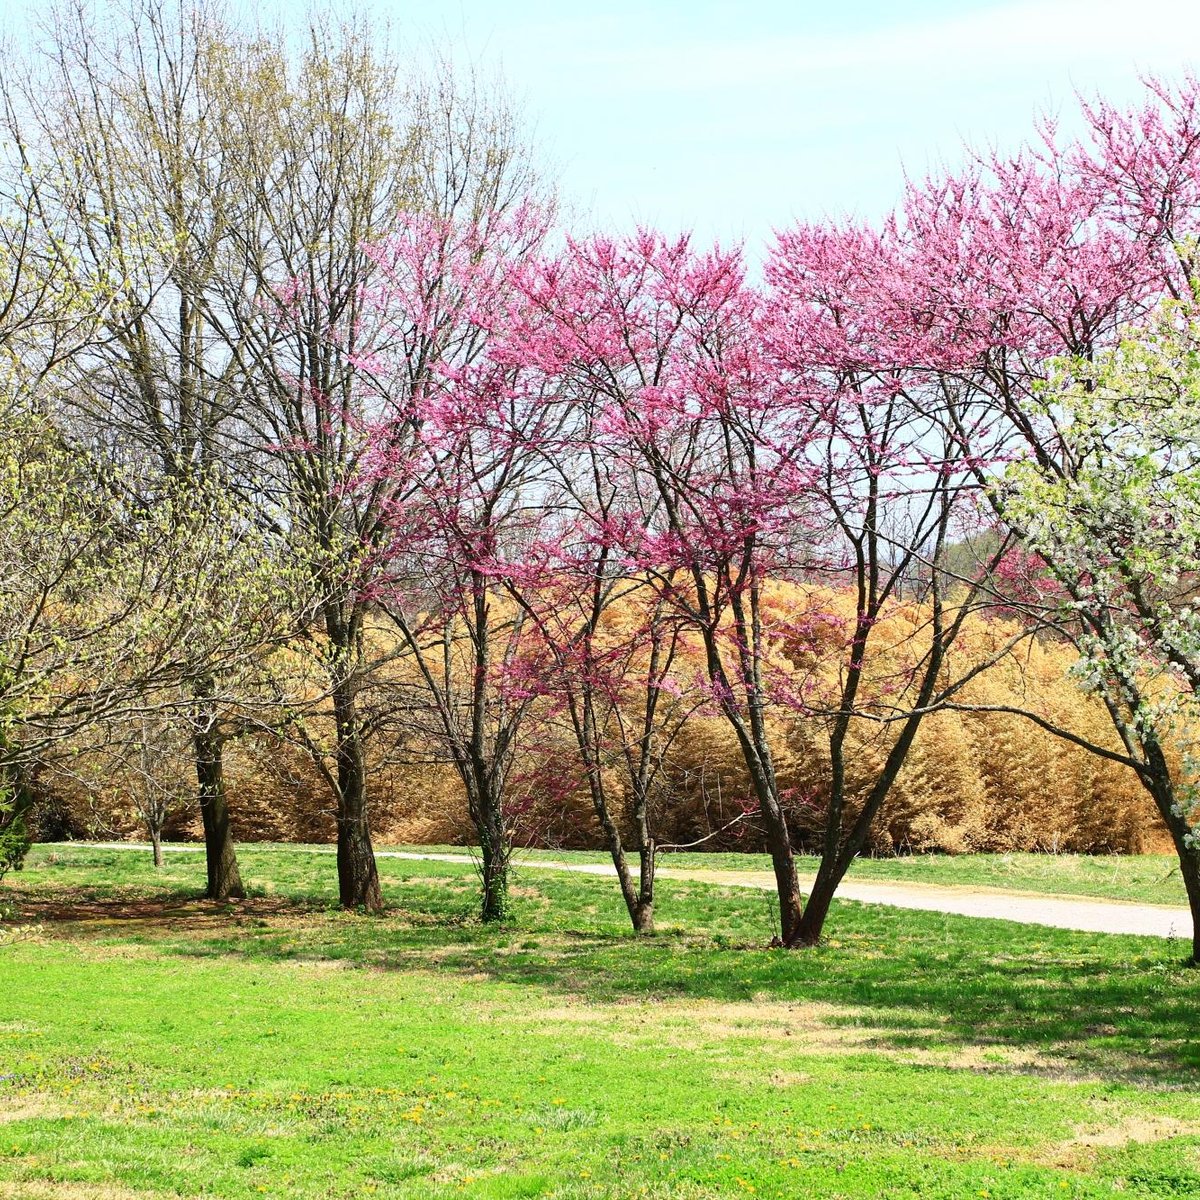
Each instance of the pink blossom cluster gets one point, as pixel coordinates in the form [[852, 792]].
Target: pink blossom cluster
[[561, 427]]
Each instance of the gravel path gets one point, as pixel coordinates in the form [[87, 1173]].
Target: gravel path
[[1027, 908]]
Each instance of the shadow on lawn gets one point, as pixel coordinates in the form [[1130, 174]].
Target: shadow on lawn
[[181, 911], [1115, 1007]]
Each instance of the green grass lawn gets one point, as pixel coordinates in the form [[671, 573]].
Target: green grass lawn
[[1148, 878], [152, 1045]]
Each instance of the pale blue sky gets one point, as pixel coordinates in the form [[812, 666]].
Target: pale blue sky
[[732, 119]]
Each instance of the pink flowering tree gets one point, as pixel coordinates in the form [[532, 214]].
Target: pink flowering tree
[[457, 476], [1043, 273], [1141, 166], [762, 443], [660, 342], [602, 644], [891, 491], [325, 161]]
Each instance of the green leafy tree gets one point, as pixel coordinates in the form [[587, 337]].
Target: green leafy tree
[[1114, 519]]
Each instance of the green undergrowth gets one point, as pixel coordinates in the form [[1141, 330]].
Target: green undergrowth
[[155, 1045]]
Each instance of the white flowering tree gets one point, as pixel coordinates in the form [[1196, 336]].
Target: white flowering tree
[[1111, 508]]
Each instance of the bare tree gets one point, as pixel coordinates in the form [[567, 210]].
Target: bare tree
[[121, 124], [146, 759], [334, 151]]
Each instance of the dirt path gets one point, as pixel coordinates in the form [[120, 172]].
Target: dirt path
[[1027, 908]]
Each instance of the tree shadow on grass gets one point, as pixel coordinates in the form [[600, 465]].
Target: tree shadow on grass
[[1108, 1006]]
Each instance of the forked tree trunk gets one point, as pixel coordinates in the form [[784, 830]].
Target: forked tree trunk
[[638, 894], [840, 849], [156, 846], [643, 913]]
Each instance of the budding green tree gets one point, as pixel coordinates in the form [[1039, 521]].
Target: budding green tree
[[1114, 516]]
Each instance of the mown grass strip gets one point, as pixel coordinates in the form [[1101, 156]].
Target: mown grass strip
[[162, 1046]]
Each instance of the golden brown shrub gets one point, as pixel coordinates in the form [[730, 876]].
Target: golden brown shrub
[[974, 780]]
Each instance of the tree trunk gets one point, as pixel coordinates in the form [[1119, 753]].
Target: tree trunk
[[224, 878], [756, 753], [485, 806], [1189, 868], [156, 846], [643, 914], [495, 878], [812, 922], [358, 875], [783, 861], [631, 893], [639, 896], [787, 889], [1187, 853], [1156, 779]]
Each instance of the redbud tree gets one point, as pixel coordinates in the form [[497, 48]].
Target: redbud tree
[[453, 475], [1038, 277]]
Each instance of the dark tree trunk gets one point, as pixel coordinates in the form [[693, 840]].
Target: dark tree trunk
[[495, 853], [1182, 837], [840, 849], [783, 859], [643, 914], [1189, 868], [224, 878], [358, 875], [787, 886], [638, 895], [756, 753], [156, 845], [485, 805], [1155, 774], [812, 922]]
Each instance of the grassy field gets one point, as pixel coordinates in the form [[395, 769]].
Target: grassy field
[[1148, 878], [153, 1045]]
